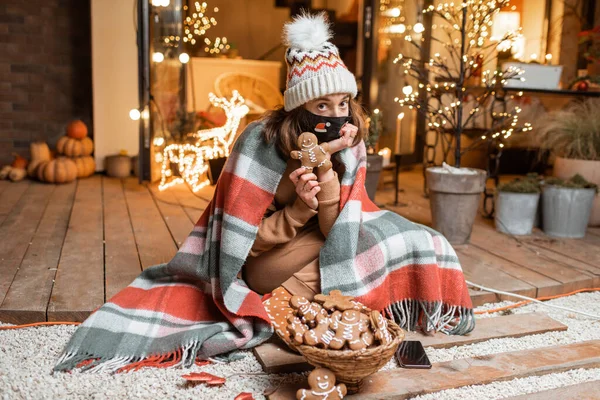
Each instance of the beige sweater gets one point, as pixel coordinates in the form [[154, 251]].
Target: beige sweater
[[291, 234]]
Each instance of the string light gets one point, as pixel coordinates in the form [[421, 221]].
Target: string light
[[158, 57], [447, 91], [184, 58], [134, 114], [197, 22], [191, 159]]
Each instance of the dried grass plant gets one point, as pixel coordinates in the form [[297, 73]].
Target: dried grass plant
[[573, 132]]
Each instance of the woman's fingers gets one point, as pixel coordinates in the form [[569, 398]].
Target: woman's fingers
[[307, 178]]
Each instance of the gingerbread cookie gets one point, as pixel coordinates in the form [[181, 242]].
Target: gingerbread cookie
[[349, 327], [306, 310], [335, 300], [380, 328], [278, 309], [322, 386], [321, 335], [312, 154], [297, 329]]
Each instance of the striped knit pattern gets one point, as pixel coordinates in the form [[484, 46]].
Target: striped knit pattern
[[315, 73], [196, 306]]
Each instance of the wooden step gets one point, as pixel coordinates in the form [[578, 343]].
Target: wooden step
[[582, 391], [275, 357], [400, 384]]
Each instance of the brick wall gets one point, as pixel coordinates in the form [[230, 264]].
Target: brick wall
[[45, 71]]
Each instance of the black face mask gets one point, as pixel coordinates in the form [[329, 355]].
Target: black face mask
[[325, 128]]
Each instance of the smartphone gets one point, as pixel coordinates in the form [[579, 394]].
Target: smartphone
[[411, 354]]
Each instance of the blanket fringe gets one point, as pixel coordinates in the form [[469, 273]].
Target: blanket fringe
[[185, 356], [432, 316]]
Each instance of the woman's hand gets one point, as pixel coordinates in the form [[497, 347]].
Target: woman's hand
[[307, 186], [347, 135]]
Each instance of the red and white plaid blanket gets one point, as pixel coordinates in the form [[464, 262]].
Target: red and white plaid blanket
[[197, 306]]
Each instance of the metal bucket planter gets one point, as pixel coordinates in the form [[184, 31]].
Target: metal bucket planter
[[566, 211], [566, 167], [374, 166], [454, 201], [516, 213]]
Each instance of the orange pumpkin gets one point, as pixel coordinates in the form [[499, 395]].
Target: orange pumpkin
[[75, 147], [60, 170], [86, 166], [77, 129], [19, 162]]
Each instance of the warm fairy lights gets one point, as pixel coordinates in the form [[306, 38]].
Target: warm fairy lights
[[444, 94], [197, 22], [191, 159], [219, 45]]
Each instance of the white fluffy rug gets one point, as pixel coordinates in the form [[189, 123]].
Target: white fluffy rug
[[27, 357]]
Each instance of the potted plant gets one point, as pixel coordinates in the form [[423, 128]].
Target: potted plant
[[374, 160], [517, 205], [573, 136], [453, 108], [567, 205]]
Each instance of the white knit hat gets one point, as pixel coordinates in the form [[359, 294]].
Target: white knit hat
[[315, 68]]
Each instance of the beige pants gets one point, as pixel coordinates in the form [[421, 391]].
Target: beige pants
[[293, 265]]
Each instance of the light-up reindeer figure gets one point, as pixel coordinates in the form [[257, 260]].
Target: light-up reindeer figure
[[191, 159]]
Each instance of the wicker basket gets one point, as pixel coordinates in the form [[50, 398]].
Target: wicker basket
[[352, 366]]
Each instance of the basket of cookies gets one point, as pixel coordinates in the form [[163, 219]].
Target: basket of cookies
[[335, 332]]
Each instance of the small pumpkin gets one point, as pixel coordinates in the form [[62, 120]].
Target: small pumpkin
[[77, 129], [17, 174], [39, 151], [60, 170], [5, 172], [19, 162], [75, 147], [86, 166]]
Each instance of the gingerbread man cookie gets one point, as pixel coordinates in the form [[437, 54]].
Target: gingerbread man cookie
[[278, 309], [297, 329], [306, 310], [321, 335], [322, 386], [349, 327], [311, 153], [380, 328], [335, 300]]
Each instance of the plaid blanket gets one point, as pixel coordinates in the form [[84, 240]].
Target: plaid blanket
[[197, 306]]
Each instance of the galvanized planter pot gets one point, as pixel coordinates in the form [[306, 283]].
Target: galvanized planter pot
[[454, 201], [566, 211], [374, 166], [515, 213]]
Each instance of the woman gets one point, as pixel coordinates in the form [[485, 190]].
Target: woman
[[271, 224]]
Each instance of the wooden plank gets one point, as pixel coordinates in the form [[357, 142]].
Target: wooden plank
[[79, 284], [581, 391], [592, 240], [175, 217], [121, 259], [192, 205], [154, 242], [486, 274], [4, 185], [594, 230], [27, 298], [513, 326], [405, 383], [545, 286], [10, 197], [587, 255], [519, 251], [275, 357], [18, 229]]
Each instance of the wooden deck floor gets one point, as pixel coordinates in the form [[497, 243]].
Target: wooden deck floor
[[65, 249]]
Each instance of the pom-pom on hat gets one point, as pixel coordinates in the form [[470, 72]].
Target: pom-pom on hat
[[314, 65]]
